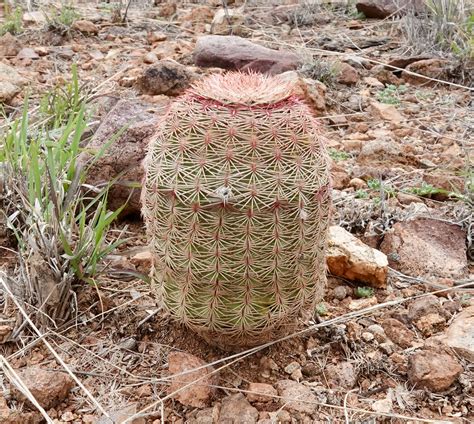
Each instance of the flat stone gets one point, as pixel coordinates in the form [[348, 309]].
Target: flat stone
[[290, 391], [261, 392], [234, 53], [236, 409], [460, 334]]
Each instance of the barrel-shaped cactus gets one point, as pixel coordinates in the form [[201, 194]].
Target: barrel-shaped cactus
[[236, 203]]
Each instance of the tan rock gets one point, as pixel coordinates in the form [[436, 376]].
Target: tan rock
[[9, 45], [261, 392], [358, 304], [349, 258], [86, 27], [341, 375], [312, 91], [433, 370], [460, 334], [199, 394], [373, 82], [435, 68], [386, 112]]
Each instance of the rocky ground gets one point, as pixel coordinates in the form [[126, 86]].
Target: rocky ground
[[393, 338]]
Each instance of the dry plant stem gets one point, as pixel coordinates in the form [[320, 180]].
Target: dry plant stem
[[18, 383], [241, 355], [50, 348]]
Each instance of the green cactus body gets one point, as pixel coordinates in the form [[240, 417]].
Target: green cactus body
[[236, 203]]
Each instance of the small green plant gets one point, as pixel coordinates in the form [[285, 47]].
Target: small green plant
[[425, 190], [361, 194], [380, 186], [364, 292], [61, 19], [391, 94], [338, 155], [321, 309], [13, 22]]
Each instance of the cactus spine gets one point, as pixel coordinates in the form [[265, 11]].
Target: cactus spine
[[236, 204]]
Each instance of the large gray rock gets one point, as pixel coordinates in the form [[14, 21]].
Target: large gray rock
[[131, 123], [236, 53]]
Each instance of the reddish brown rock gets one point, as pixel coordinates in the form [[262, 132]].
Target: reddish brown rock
[[297, 397], [261, 392], [197, 395], [447, 183], [431, 68], [398, 333], [427, 248], [341, 375], [433, 370], [86, 27], [347, 75], [131, 123], [49, 388], [381, 9], [15, 416], [236, 53], [9, 45]]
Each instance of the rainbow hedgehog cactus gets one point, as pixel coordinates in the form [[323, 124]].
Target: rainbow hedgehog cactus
[[236, 203]]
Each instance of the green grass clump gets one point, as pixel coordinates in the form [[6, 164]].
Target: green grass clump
[[62, 229], [61, 19], [13, 22], [337, 155]]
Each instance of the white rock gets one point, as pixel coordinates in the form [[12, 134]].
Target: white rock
[[353, 260]]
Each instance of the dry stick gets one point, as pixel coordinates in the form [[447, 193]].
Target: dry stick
[[239, 356], [16, 380], [48, 345]]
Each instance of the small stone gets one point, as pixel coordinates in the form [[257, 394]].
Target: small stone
[[150, 58], [387, 347], [357, 183], [341, 375], [156, 37], [373, 82], [261, 392], [427, 314], [357, 304], [347, 75], [86, 27], [292, 366], [9, 45], [383, 406], [197, 395], [165, 77], [27, 53], [297, 397], [460, 334], [11, 83], [296, 375], [398, 332], [236, 409], [407, 199], [368, 337], [49, 388], [68, 416], [386, 111], [340, 292], [432, 370]]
